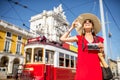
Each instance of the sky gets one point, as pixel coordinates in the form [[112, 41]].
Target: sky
[[21, 12]]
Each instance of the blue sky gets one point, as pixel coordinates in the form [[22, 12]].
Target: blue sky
[[18, 15]]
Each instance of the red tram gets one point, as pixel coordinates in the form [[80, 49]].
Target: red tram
[[48, 61]]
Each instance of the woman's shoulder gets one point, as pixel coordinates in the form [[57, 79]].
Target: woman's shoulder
[[100, 38], [79, 36]]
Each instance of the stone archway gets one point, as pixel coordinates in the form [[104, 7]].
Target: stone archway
[[16, 63], [4, 61]]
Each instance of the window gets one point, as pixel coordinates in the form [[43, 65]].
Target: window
[[18, 49], [72, 61], [38, 55], [67, 60], [7, 46], [61, 59], [28, 55], [49, 56], [19, 38], [9, 34], [7, 42]]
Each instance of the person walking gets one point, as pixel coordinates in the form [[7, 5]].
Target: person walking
[[88, 63]]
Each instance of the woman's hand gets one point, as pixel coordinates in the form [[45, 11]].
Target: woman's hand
[[101, 46], [75, 24], [65, 37]]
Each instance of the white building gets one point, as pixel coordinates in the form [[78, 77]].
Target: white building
[[118, 66], [52, 24]]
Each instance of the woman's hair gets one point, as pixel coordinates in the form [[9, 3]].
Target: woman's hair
[[93, 31]]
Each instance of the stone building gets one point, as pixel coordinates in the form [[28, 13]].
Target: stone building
[[118, 66], [113, 66], [52, 24]]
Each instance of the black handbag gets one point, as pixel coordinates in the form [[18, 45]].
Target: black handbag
[[107, 73]]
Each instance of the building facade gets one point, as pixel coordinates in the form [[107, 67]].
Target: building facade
[[113, 66], [118, 66], [12, 42], [52, 24]]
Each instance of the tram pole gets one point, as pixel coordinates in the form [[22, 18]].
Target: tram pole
[[103, 26]]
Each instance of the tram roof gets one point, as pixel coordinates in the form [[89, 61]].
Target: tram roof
[[43, 40]]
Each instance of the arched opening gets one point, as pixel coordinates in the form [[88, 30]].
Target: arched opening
[[16, 62], [4, 61]]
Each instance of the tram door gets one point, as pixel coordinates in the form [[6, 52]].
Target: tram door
[[49, 58]]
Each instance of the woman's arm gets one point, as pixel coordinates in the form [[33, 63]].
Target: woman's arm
[[102, 59], [65, 37], [101, 46], [101, 55]]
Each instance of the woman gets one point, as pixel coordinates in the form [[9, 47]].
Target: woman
[[88, 63]]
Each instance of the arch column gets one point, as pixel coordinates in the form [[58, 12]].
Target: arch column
[[10, 65]]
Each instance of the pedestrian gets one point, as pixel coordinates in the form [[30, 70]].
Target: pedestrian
[[88, 63], [16, 76]]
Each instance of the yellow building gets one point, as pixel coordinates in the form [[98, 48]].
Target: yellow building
[[12, 42]]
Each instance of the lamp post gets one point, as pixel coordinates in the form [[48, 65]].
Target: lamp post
[[103, 26]]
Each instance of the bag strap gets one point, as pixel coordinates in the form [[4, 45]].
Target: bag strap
[[83, 46], [95, 39]]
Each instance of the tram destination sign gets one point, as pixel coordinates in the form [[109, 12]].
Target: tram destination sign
[[34, 39]]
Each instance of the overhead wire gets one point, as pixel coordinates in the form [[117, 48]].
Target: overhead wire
[[7, 11], [85, 3], [19, 4], [20, 17], [93, 8], [111, 15], [69, 9], [17, 14], [24, 6], [11, 18]]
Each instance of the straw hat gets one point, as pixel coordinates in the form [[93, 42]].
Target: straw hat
[[81, 18]]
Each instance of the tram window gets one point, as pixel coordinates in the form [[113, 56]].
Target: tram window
[[28, 57], [61, 59], [35, 58], [38, 55], [75, 61], [67, 60], [49, 56], [72, 61]]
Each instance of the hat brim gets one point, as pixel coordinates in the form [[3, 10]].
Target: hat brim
[[81, 18]]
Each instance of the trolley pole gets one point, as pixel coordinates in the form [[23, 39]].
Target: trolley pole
[[103, 26]]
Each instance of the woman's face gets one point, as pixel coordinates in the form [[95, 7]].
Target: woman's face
[[88, 24]]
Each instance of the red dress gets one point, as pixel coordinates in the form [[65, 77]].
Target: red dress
[[88, 64]]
